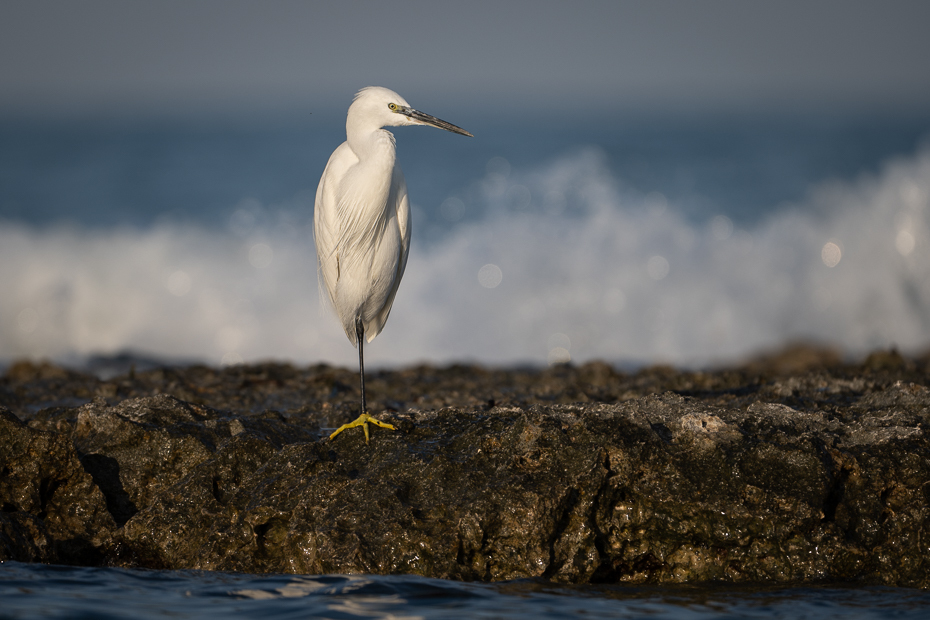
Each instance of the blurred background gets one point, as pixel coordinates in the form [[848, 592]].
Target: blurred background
[[650, 181]]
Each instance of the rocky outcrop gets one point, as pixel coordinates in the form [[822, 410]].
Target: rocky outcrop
[[773, 472]]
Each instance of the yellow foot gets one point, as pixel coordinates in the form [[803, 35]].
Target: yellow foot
[[362, 421]]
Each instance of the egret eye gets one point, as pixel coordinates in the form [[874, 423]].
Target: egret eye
[[393, 107]]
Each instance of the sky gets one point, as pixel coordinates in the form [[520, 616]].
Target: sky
[[234, 57]]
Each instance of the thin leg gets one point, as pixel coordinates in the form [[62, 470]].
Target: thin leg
[[363, 419], [360, 336]]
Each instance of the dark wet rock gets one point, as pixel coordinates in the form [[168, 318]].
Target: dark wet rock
[[50, 508], [792, 468], [142, 446]]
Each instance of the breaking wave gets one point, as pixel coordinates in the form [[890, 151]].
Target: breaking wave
[[564, 263]]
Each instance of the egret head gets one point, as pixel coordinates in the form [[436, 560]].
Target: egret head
[[377, 107]]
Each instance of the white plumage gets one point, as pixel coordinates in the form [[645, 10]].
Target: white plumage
[[361, 219]]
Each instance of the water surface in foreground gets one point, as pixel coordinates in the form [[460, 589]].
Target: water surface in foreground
[[43, 591]]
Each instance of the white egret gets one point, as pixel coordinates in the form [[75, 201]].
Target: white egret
[[361, 221]]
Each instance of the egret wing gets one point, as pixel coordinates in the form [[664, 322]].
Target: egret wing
[[326, 226], [399, 202]]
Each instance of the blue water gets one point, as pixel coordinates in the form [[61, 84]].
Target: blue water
[[41, 591], [104, 174]]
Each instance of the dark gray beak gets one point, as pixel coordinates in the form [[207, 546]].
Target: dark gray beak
[[426, 119]]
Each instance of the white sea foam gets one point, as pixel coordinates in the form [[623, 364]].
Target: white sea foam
[[566, 264]]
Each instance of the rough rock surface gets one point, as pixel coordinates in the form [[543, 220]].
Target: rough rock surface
[[792, 468]]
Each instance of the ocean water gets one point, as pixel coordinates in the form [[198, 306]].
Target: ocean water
[[45, 591], [684, 241]]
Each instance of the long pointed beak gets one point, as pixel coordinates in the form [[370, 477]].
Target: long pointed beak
[[426, 119]]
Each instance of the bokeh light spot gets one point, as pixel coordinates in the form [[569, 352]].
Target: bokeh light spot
[[905, 242], [490, 276], [914, 196], [831, 254], [657, 267], [656, 203], [231, 359], [27, 320], [558, 355], [241, 222], [261, 255], [452, 209], [498, 166]]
